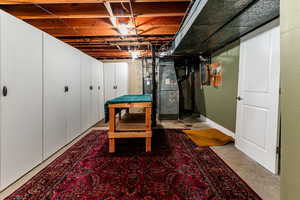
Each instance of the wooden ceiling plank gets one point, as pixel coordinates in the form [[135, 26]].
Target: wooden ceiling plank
[[68, 11], [96, 24], [142, 22], [16, 2], [102, 32]]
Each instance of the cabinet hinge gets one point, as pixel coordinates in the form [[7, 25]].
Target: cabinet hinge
[[279, 91], [277, 150]]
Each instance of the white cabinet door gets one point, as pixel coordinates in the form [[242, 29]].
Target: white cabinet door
[[55, 69], [21, 110], [109, 81], [73, 94], [85, 92], [95, 92], [122, 78], [101, 84]]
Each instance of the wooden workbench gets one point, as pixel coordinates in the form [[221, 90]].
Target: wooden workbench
[[114, 134]]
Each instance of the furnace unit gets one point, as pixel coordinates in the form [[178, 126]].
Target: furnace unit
[[168, 92]]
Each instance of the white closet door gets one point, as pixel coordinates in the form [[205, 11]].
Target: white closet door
[[95, 91], [101, 84], [55, 72], [85, 92], [73, 95], [109, 81], [122, 78], [257, 107], [21, 109]]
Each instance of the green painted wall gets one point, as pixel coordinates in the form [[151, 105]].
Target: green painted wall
[[219, 104], [290, 99]]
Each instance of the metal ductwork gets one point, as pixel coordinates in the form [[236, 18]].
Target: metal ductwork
[[213, 24]]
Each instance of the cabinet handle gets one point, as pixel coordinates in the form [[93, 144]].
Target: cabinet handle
[[91, 87], [66, 89], [4, 91]]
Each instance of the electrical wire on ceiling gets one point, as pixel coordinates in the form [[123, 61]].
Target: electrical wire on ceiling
[[61, 20]]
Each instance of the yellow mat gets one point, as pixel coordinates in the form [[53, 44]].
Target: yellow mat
[[208, 137]]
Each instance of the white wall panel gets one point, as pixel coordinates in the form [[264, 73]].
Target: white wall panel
[[74, 94], [101, 83], [38, 117], [109, 81], [55, 69], [122, 78], [21, 110], [85, 92]]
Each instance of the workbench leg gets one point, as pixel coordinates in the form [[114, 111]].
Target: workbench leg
[[148, 118], [148, 144], [112, 120], [112, 145], [112, 129]]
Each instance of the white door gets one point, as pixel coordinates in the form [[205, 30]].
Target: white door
[[101, 84], [122, 78], [109, 81], [21, 109], [85, 92], [55, 111], [257, 109], [73, 94], [95, 92]]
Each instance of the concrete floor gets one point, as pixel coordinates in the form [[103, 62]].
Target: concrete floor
[[261, 180]]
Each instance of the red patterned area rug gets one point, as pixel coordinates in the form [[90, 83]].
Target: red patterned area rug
[[176, 169]]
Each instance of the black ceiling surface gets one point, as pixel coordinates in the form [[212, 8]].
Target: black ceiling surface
[[223, 21]]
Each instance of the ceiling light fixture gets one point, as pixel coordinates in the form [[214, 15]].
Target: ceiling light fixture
[[134, 54], [123, 29]]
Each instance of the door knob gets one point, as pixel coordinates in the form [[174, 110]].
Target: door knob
[[98, 87], [239, 98], [4, 91], [66, 89], [91, 87]]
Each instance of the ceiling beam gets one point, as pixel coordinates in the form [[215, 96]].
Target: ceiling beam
[[116, 37], [142, 23], [65, 11], [114, 40], [107, 32], [93, 45], [16, 2], [112, 18]]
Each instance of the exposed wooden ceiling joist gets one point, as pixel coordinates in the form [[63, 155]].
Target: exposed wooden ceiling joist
[[106, 32], [65, 11], [15, 2], [93, 26], [142, 22]]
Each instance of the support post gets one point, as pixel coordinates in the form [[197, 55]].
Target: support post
[[154, 88], [143, 74]]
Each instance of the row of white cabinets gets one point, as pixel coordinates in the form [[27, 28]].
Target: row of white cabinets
[[115, 80], [73, 93], [50, 94]]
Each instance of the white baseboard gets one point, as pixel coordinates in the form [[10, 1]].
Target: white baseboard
[[217, 126], [100, 128]]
